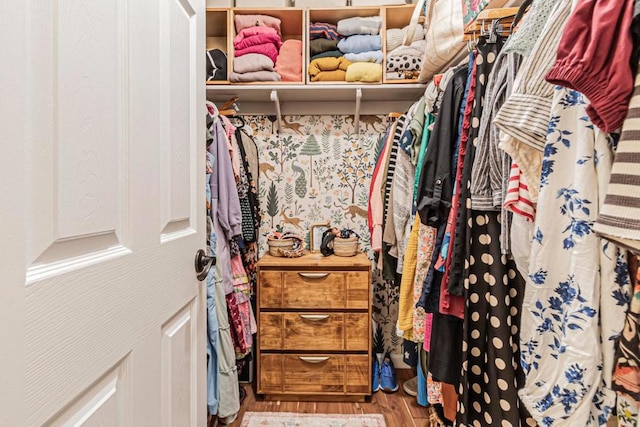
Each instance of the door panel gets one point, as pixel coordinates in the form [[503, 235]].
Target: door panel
[[102, 214], [178, 79], [179, 368], [77, 203], [105, 403]]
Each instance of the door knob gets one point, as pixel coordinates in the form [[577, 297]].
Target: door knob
[[203, 264]]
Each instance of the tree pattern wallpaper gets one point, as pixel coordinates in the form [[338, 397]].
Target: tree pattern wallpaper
[[318, 169]]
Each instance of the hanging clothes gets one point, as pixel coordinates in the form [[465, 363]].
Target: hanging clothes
[[525, 114], [213, 388], [491, 373], [578, 286], [619, 220], [626, 376], [594, 58]]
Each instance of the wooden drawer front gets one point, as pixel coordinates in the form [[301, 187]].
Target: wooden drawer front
[[270, 289], [358, 290], [311, 289], [356, 326], [271, 331], [314, 331], [323, 373], [270, 380], [358, 374], [314, 373], [314, 289]]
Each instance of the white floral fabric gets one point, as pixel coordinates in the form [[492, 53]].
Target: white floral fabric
[[578, 287]]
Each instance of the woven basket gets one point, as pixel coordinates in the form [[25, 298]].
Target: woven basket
[[345, 247], [276, 244]]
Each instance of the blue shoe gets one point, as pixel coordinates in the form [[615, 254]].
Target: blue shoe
[[388, 381], [375, 375]]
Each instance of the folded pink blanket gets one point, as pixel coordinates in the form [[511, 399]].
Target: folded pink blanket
[[245, 21], [289, 64], [267, 49], [258, 39], [253, 31]]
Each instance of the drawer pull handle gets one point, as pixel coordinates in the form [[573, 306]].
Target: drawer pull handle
[[313, 275], [314, 317], [313, 359]]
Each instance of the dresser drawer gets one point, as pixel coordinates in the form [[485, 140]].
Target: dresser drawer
[[314, 289], [314, 374], [314, 331]]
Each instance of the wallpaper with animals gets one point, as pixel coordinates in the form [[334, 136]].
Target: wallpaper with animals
[[318, 169]]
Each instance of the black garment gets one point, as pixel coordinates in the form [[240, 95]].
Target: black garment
[[486, 56], [436, 179], [445, 358], [491, 371], [216, 65], [635, 35], [248, 193]]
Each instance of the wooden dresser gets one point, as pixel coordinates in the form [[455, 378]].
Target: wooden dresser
[[314, 327]]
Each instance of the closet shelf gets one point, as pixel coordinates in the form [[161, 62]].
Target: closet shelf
[[318, 98]]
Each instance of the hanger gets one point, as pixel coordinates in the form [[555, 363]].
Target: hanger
[[499, 13], [228, 113], [524, 7], [499, 20], [238, 121], [230, 103]]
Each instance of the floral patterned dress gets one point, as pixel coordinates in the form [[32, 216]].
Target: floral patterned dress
[[578, 286]]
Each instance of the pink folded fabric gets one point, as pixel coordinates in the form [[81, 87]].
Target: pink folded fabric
[[267, 49], [259, 39], [253, 31], [289, 64], [245, 21]]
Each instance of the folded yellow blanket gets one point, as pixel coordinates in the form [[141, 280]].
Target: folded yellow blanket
[[367, 72], [328, 69]]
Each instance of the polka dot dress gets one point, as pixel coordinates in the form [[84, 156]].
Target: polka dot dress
[[491, 371]]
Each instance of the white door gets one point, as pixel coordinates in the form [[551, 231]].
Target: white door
[[102, 140]]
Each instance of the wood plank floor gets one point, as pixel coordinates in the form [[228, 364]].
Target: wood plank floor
[[399, 409]]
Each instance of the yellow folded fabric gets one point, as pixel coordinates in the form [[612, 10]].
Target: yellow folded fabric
[[328, 69], [366, 72]]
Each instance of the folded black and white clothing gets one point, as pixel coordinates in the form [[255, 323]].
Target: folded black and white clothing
[[216, 65]]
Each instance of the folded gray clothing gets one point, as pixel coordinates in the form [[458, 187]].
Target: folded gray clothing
[[216, 65], [359, 25], [369, 56], [416, 49], [395, 36], [328, 54], [322, 45], [360, 43], [252, 62], [256, 76], [404, 63]]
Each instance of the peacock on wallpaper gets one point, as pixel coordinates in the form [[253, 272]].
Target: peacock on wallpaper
[[317, 169]]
